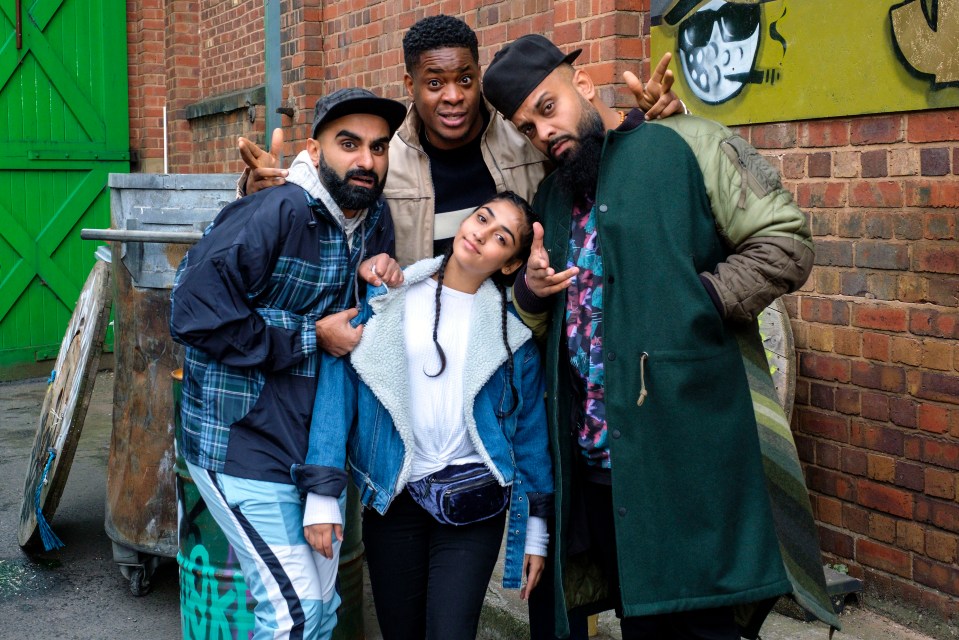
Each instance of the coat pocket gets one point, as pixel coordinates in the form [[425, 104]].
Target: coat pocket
[[692, 461]]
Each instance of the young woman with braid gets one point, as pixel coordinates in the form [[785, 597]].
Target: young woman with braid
[[441, 418]]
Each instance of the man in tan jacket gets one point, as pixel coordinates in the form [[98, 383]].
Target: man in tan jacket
[[453, 150]]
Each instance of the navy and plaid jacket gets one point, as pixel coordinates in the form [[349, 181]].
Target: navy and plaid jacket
[[244, 302]]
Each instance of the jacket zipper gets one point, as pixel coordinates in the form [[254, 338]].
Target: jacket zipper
[[478, 478], [746, 178]]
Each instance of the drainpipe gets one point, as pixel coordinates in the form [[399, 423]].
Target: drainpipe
[[274, 79]]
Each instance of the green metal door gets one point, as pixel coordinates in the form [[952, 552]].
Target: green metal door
[[63, 127]]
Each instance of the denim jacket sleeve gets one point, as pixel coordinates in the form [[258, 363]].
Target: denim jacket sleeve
[[324, 470], [533, 481], [334, 411], [534, 467]]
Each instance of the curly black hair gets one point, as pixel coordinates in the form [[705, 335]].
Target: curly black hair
[[437, 32]]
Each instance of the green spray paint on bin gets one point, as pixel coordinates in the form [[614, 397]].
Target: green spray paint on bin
[[215, 602], [214, 599]]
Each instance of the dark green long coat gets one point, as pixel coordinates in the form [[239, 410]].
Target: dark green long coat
[[695, 525]]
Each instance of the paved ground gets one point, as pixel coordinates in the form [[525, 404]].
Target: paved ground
[[506, 617], [78, 592]]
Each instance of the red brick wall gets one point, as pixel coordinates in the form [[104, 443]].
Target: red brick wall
[[183, 59], [877, 421], [181, 52], [147, 71], [232, 45], [877, 411], [230, 58]]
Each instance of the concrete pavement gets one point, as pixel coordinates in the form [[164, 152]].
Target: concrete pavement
[[505, 619], [78, 593]]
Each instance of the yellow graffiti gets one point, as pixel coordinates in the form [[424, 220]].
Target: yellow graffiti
[[930, 49], [872, 46]]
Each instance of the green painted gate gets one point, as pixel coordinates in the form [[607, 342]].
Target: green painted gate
[[63, 127]]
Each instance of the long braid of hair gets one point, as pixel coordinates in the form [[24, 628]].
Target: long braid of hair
[[509, 352], [436, 316]]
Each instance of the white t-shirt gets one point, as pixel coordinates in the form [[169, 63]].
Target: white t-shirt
[[436, 403]]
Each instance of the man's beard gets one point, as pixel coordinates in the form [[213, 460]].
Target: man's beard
[[577, 170], [350, 196]]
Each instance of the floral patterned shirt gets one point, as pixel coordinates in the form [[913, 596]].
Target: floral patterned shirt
[[584, 334]]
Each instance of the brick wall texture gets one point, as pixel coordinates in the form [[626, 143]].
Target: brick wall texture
[[877, 407]]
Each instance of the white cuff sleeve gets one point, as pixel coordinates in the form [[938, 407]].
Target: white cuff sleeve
[[321, 510], [537, 538]]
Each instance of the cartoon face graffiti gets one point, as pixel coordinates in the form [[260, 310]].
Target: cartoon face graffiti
[[718, 45]]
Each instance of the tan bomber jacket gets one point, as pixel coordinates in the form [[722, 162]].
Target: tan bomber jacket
[[513, 162]]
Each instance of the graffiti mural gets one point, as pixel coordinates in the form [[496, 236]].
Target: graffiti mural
[[215, 602], [926, 35], [717, 48], [210, 606], [749, 61]]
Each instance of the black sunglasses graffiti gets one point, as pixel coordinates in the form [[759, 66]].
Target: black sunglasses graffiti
[[736, 22], [717, 46]]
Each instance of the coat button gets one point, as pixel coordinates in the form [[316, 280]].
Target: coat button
[[611, 356], [603, 208], [622, 511], [610, 279], [616, 434]]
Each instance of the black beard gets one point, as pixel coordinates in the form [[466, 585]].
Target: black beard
[[577, 170], [350, 196]]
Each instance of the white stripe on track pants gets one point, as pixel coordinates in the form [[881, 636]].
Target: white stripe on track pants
[[294, 586]]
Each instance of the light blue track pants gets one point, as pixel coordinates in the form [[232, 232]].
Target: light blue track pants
[[294, 586]]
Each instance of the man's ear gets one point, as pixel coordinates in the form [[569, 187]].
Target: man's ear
[[408, 83], [313, 148], [584, 84]]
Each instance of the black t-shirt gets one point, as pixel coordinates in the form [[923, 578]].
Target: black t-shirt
[[461, 182]]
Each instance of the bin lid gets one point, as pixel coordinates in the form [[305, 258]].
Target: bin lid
[[65, 404]]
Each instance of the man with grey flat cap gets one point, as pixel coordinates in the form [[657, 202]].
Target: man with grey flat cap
[[252, 302], [680, 501]]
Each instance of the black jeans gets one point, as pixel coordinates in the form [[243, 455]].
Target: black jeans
[[428, 579], [702, 624], [542, 599]]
